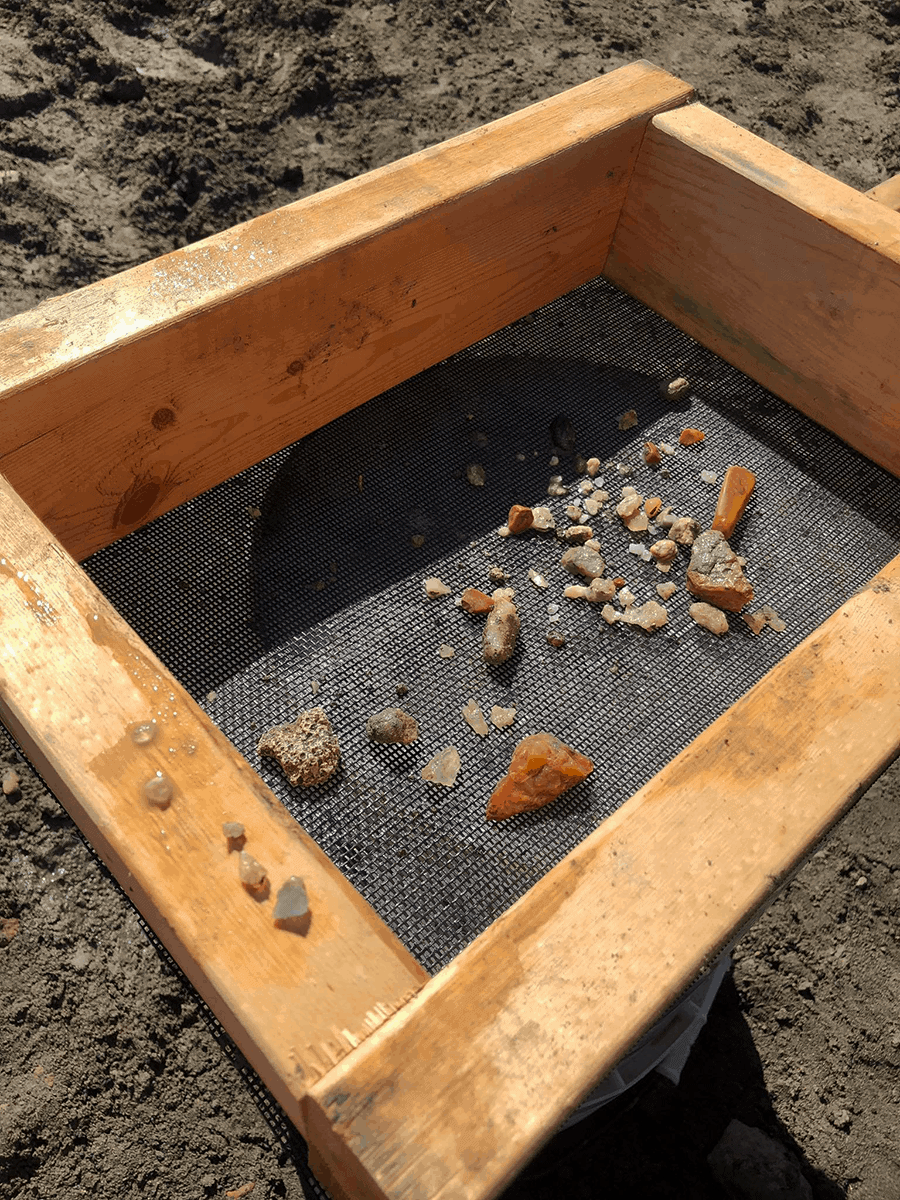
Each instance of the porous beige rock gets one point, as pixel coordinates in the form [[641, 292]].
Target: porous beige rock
[[648, 616], [666, 590], [577, 535], [501, 717], [306, 749]]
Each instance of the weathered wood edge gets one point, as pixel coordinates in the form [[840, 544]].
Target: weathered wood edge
[[788, 274], [74, 678], [148, 388], [456, 1092], [887, 193]]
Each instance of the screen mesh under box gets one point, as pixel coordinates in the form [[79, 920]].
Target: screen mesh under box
[[298, 583]]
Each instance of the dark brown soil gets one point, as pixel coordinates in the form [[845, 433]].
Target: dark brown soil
[[127, 129]]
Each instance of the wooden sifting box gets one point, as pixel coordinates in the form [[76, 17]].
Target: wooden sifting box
[[136, 394]]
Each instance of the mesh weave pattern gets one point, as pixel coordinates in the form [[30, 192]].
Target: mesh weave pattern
[[326, 585]]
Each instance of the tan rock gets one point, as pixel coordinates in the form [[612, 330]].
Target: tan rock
[[500, 633], [710, 618], [715, 575]]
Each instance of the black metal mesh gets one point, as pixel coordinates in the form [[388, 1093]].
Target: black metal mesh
[[326, 585]]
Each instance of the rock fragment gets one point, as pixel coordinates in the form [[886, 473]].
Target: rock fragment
[[520, 518], [664, 550], [764, 616], [475, 601], [666, 590], [392, 726], [445, 651], [542, 519], [542, 769], [474, 717], [715, 574], [710, 618], [733, 496], [500, 633], [577, 535], [584, 562], [652, 505], [676, 389], [648, 616], [251, 873], [475, 474], [233, 830], [498, 576], [627, 420], [502, 718], [629, 504], [443, 768], [435, 587], [593, 467], [537, 579], [11, 781], [690, 437], [683, 530], [650, 454], [755, 622], [306, 749], [292, 901]]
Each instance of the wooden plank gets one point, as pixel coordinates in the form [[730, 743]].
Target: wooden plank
[[887, 193], [74, 678], [152, 386], [788, 274], [453, 1095]]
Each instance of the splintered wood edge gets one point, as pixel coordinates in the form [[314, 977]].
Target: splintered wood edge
[[74, 678], [150, 387], [788, 274], [459, 1090]]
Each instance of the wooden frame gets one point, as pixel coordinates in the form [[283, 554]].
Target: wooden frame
[[139, 389]]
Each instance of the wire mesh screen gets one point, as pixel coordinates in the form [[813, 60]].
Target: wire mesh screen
[[299, 583]]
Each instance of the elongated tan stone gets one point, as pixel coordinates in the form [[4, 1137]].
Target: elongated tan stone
[[733, 496]]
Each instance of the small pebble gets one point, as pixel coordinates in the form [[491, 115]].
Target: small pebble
[[626, 597], [553, 619], [251, 873], [418, 540], [503, 593], [650, 454], [609, 614], [683, 530], [648, 616], [291, 901], [473, 600], [504, 531], [577, 535], [624, 469], [557, 489], [665, 448], [627, 420], [401, 689], [583, 561], [556, 638], [666, 590], [11, 781], [652, 505], [445, 651], [636, 548], [501, 630], [475, 474], [502, 718], [392, 726], [709, 477], [665, 550], [552, 608], [593, 467], [862, 882], [520, 518], [520, 458], [537, 578], [691, 437], [233, 830], [554, 461], [443, 768], [498, 576], [573, 512], [210, 696], [676, 389], [629, 505], [474, 717], [592, 506], [710, 618], [435, 587], [314, 686], [585, 487], [543, 519]]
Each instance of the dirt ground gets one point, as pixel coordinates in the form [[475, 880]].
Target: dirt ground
[[128, 129]]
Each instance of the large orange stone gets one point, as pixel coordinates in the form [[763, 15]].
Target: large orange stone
[[542, 768]]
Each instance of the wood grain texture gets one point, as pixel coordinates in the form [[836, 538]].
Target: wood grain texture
[[887, 193], [74, 678], [452, 1096], [152, 386], [785, 272]]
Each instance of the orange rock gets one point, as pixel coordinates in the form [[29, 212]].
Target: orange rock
[[650, 454], [652, 505], [619, 581], [736, 488], [520, 518], [542, 768], [690, 437], [475, 601]]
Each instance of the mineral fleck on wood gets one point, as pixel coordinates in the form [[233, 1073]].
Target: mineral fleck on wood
[[443, 768], [500, 633], [233, 830], [392, 726], [710, 618], [715, 574], [251, 873], [474, 717], [542, 768], [473, 600], [292, 900], [305, 749], [520, 518]]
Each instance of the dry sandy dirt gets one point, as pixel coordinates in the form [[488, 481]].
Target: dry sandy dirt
[[128, 129]]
